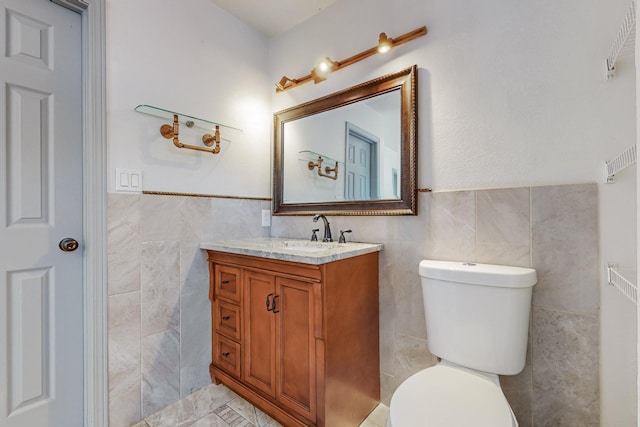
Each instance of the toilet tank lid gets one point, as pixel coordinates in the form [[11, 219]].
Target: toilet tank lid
[[479, 274]]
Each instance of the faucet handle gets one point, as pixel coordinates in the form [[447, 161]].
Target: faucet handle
[[342, 238], [314, 238]]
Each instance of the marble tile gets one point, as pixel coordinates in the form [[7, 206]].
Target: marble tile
[[124, 343], [141, 424], [518, 389], [124, 410], [402, 270], [565, 247], [123, 243], [252, 414], [565, 369], [245, 215], [231, 417], [503, 227], [412, 355], [409, 228], [192, 408], [161, 217], [387, 315], [291, 226], [195, 336], [210, 420], [377, 418], [196, 218], [160, 282], [388, 385], [452, 226], [160, 371], [193, 262]]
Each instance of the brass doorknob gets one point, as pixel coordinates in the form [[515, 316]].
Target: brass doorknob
[[68, 244]]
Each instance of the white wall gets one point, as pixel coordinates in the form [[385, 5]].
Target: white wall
[[510, 94], [194, 58]]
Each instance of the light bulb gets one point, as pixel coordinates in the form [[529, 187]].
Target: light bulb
[[384, 43]]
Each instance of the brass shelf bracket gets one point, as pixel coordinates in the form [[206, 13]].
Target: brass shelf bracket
[[172, 131], [327, 170], [168, 132]]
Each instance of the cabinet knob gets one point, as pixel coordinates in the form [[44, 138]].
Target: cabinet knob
[[225, 318], [225, 282], [226, 354]]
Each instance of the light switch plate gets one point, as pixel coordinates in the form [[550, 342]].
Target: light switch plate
[[266, 218], [129, 180]]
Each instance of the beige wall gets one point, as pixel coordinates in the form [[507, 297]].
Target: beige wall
[[159, 318], [553, 229], [159, 312]]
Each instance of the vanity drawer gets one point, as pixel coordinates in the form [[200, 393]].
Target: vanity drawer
[[227, 319], [227, 283], [226, 354]]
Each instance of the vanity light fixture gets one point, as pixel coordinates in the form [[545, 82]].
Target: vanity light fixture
[[319, 73]]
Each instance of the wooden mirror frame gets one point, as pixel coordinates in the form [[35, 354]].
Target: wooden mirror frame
[[407, 82]]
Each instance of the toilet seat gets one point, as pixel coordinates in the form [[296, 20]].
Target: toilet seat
[[448, 396]]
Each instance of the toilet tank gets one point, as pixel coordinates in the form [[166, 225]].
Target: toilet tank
[[478, 314]]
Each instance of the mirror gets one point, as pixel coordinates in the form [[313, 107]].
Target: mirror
[[349, 153]]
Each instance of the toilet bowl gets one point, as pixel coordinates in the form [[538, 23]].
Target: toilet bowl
[[446, 395], [477, 318]]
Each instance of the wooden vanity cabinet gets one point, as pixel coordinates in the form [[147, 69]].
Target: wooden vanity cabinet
[[299, 341]]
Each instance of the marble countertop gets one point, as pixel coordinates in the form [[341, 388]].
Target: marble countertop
[[295, 250]]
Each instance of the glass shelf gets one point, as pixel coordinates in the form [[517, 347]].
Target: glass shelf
[[184, 119]]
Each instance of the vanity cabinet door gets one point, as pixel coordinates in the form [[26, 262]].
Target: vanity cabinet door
[[259, 342], [295, 347]]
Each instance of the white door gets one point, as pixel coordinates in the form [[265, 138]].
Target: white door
[[41, 332], [361, 178]]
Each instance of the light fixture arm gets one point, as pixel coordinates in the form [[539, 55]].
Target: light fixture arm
[[318, 76]]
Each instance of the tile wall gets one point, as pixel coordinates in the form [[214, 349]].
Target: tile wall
[[158, 284], [159, 348]]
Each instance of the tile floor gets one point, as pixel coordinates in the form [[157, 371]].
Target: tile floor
[[217, 406]]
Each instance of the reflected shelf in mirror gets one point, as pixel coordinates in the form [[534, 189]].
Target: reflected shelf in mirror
[[312, 156], [326, 166]]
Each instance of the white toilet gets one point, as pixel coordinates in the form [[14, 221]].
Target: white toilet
[[477, 324]]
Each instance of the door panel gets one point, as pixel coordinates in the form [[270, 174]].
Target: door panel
[[41, 331], [27, 154], [359, 184], [259, 332], [29, 319], [296, 372]]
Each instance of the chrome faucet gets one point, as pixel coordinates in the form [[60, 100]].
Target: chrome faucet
[[327, 229]]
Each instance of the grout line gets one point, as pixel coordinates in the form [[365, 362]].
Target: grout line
[[475, 225], [530, 227]]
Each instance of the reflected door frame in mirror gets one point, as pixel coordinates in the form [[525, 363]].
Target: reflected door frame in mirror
[[406, 81]]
